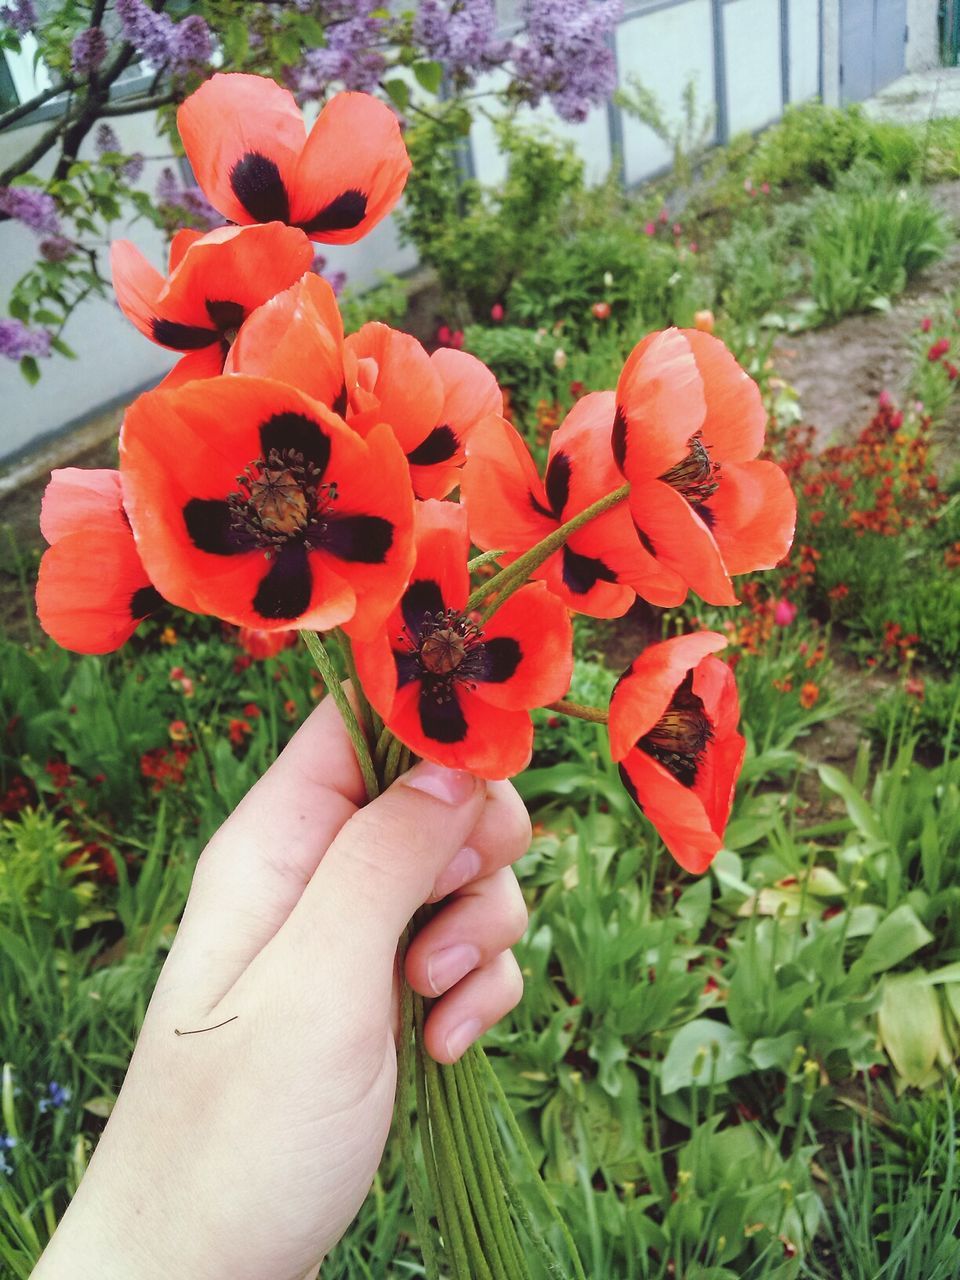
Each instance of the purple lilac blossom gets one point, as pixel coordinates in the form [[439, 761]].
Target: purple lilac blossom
[[566, 55], [150, 33], [105, 139], [133, 166], [462, 34], [190, 200], [17, 341], [35, 209], [88, 50], [19, 14], [348, 57], [335, 279], [56, 248], [191, 44]]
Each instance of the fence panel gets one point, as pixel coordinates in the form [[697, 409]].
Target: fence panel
[[751, 36]]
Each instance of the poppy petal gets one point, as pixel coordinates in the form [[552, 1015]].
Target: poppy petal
[[507, 507], [752, 516], [470, 394], [352, 170], [536, 667], [644, 691], [679, 539], [496, 743], [92, 590], [660, 406], [227, 273], [676, 811], [77, 499], [243, 135], [181, 242], [137, 285], [735, 421], [407, 391], [719, 768], [570, 580], [296, 337], [207, 363]]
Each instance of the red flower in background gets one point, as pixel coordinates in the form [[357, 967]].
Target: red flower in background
[[456, 691], [673, 729], [432, 402], [264, 644], [603, 566], [215, 282], [248, 145], [255, 503], [93, 591], [688, 429]]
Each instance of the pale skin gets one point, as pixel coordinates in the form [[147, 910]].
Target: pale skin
[[245, 1151]]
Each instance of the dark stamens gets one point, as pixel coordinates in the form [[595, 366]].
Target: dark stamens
[[280, 499], [448, 650], [679, 738], [695, 476]]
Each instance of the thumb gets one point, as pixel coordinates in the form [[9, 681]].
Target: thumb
[[385, 861]]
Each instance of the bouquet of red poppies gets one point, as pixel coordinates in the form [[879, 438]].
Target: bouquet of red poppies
[[373, 496]]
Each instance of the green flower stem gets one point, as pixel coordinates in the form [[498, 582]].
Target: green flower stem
[[391, 768], [467, 1255], [524, 1152], [420, 1082], [407, 1093], [366, 711], [381, 749], [507, 580], [351, 723], [469, 1157], [578, 711], [484, 558], [484, 1128]]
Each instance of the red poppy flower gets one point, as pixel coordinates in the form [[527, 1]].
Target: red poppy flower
[[297, 338], [456, 691], [603, 566], [673, 728], [92, 592], [248, 145], [215, 281], [259, 505], [264, 644], [689, 426], [433, 402]]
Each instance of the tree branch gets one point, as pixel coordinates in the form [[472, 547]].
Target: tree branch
[[130, 106], [33, 154], [31, 104]]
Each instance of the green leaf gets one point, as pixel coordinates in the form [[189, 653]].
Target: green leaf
[[398, 92], [702, 1052], [58, 344], [236, 41], [429, 75], [861, 815], [898, 936], [774, 1051], [910, 1026], [30, 370]]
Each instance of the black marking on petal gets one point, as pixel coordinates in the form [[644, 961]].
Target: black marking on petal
[[441, 719], [360, 539], [501, 657], [439, 446], [286, 589], [144, 601], [422, 597], [339, 405], [211, 527], [706, 514], [342, 214], [629, 787], [619, 437], [557, 483], [645, 540], [257, 184], [297, 432], [582, 573], [408, 668], [225, 315], [182, 337], [540, 509]]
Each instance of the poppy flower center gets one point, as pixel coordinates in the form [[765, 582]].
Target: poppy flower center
[[281, 498], [448, 650], [679, 738], [694, 477]]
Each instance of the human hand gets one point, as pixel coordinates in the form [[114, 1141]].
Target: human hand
[[246, 1150]]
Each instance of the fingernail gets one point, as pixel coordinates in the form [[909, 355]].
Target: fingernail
[[463, 867], [461, 1038], [448, 966], [452, 786]]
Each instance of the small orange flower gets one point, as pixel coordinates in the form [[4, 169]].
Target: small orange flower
[[809, 694], [178, 731]]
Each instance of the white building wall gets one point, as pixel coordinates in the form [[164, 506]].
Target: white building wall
[[923, 41]]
